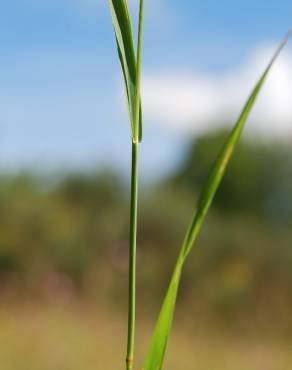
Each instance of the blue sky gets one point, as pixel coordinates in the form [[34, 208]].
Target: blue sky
[[61, 98]]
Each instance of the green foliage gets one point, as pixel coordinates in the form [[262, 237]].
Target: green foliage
[[131, 66], [258, 181], [75, 230], [131, 69], [155, 356], [58, 227]]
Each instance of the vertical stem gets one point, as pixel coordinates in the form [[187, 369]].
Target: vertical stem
[[134, 202], [132, 257]]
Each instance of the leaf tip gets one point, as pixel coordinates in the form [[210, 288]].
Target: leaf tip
[[280, 48], [287, 37]]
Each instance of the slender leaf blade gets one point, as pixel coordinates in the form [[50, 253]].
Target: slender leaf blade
[[162, 330], [155, 357], [137, 121]]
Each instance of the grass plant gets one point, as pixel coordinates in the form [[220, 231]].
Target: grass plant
[[131, 67], [130, 60]]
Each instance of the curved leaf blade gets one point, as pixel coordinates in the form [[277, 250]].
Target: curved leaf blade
[[126, 51], [155, 357]]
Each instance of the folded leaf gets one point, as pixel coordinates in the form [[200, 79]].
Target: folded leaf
[[126, 51], [155, 356]]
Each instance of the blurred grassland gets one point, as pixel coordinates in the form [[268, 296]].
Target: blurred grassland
[[74, 337], [64, 252]]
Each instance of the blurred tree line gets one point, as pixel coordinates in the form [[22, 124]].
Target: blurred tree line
[[68, 238]]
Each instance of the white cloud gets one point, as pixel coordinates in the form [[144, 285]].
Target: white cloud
[[191, 102]]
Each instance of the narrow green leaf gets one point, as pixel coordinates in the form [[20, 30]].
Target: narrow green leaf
[[137, 122], [155, 356], [154, 359], [126, 51]]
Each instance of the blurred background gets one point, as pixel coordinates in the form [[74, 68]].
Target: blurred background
[[64, 185]]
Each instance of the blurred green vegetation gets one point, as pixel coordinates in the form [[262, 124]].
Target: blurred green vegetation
[[66, 238]]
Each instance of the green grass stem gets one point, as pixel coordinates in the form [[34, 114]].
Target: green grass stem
[[132, 257], [131, 68]]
